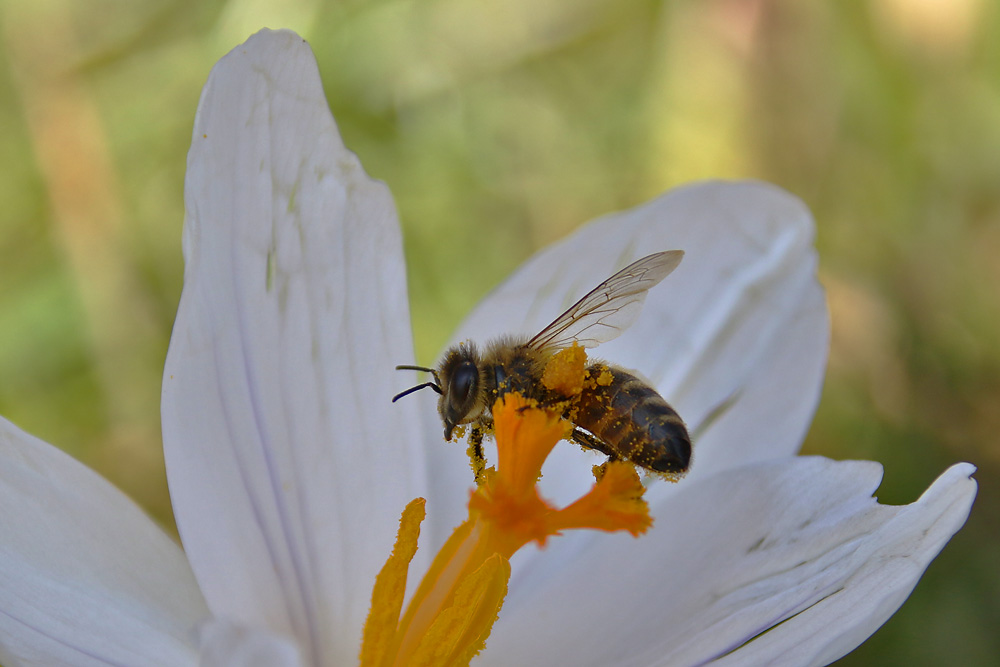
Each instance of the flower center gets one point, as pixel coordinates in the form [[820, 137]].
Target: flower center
[[453, 610]]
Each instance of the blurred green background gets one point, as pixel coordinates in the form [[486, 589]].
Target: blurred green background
[[499, 127]]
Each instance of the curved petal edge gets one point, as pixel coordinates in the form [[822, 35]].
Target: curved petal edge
[[86, 578]]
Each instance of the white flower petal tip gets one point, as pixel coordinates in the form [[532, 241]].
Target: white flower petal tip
[[85, 576], [789, 562], [287, 470], [873, 582], [228, 644]]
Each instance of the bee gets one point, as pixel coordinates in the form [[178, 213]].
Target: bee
[[615, 412]]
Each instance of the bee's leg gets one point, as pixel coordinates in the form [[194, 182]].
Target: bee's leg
[[586, 439], [591, 441], [476, 458]]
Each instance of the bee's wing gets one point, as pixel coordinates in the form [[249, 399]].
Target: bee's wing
[[611, 307]]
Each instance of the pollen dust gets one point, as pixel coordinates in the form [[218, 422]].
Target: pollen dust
[[566, 371]]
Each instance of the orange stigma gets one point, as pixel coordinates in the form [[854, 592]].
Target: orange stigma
[[452, 613]]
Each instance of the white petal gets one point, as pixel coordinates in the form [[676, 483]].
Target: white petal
[[881, 576], [86, 578], [287, 462], [224, 643], [735, 339], [798, 542]]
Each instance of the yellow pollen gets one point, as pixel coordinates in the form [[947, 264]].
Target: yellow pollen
[[605, 378], [564, 373], [452, 613]]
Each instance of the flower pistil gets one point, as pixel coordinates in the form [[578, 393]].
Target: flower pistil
[[453, 610]]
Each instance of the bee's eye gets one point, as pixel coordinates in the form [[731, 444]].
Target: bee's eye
[[464, 379]]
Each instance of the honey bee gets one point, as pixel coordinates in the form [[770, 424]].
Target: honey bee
[[614, 412]]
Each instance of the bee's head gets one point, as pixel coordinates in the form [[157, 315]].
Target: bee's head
[[460, 384], [462, 387]]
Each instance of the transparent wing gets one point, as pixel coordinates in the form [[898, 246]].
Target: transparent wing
[[611, 307]]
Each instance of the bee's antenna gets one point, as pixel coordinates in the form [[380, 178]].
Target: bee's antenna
[[409, 391], [414, 368], [436, 385]]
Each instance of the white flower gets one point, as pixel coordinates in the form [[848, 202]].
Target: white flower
[[288, 466]]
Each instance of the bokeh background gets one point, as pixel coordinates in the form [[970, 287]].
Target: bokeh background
[[502, 125]]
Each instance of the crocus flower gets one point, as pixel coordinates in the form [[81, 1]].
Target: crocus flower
[[289, 468]]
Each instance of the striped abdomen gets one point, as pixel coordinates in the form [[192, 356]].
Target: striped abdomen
[[633, 422]]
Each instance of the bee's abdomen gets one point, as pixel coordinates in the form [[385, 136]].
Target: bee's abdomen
[[634, 422]]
